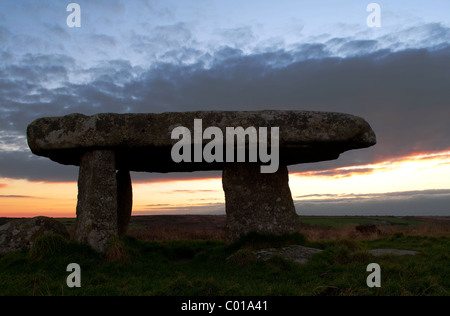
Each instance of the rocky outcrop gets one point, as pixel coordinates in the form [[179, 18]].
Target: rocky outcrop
[[21, 233]]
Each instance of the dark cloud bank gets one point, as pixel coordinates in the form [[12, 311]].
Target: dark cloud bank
[[407, 203], [403, 95]]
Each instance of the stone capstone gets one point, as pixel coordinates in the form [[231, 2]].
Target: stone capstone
[[142, 142], [21, 233]]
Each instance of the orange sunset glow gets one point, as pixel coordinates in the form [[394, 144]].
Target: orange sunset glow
[[422, 171]]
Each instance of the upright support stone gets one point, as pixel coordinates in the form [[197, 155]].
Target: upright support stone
[[97, 206], [257, 202], [124, 200]]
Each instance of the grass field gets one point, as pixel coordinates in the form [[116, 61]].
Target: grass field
[[134, 266]]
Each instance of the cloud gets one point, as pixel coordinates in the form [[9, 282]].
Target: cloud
[[5, 34], [412, 203], [188, 191], [24, 165], [57, 31], [392, 195], [237, 37], [201, 208], [342, 168], [163, 43], [358, 47], [18, 196], [3, 185], [212, 199], [146, 177], [103, 40], [401, 91], [339, 172]]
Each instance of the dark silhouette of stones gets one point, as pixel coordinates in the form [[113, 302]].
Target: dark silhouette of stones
[[105, 143], [124, 201], [20, 234], [257, 202]]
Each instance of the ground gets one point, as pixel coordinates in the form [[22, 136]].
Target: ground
[[186, 255]]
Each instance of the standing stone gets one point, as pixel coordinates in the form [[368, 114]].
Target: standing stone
[[97, 199], [124, 200], [257, 202]]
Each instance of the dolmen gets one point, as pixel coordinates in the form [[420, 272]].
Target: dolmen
[[252, 148]]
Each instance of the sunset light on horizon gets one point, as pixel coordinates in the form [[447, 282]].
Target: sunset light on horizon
[[421, 174]]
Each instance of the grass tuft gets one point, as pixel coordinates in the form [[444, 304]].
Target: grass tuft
[[116, 251], [47, 246], [242, 257], [256, 240]]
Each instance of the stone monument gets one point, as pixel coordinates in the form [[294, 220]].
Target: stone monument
[[108, 146]]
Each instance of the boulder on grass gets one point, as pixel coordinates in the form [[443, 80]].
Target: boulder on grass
[[20, 234]]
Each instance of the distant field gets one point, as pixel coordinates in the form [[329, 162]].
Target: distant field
[[173, 227], [339, 221]]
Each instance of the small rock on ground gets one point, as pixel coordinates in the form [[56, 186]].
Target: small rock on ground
[[296, 253]]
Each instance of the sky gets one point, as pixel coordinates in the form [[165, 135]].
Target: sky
[[164, 56]]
